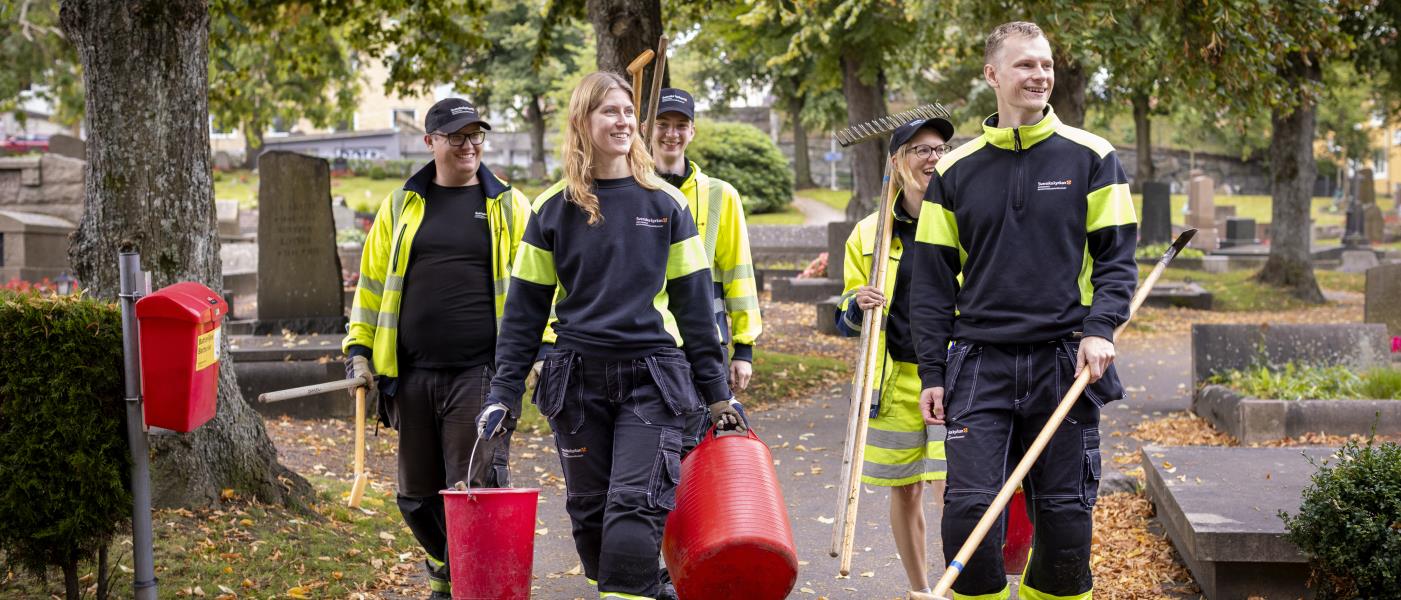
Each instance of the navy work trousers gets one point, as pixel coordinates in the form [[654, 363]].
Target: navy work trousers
[[997, 398], [618, 428]]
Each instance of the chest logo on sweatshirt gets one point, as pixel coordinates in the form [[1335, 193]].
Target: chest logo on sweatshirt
[[650, 222], [480, 215], [1046, 186]]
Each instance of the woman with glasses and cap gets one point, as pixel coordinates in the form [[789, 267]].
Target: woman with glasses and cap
[[902, 453]]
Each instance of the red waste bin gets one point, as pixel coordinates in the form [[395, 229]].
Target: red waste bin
[[180, 339]]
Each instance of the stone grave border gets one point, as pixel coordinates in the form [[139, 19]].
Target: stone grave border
[[1254, 420]]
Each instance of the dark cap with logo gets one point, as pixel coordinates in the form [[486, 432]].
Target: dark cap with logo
[[677, 101], [451, 114], [904, 132]]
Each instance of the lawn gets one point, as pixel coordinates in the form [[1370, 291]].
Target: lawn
[[1258, 208], [790, 215], [250, 550], [361, 193], [834, 198], [1236, 291]]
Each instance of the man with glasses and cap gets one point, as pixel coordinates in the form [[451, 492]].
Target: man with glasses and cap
[[422, 332]]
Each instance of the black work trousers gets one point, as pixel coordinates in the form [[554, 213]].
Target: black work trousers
[[998, 398], [435, 411], [618, 428]]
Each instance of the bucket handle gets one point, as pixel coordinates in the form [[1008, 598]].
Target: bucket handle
[[466, 486], [748, 432]]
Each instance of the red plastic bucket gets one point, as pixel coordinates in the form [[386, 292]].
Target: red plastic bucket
[[491, 542], [1017, 550]]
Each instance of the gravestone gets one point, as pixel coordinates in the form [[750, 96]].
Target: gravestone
[[1201, 211], [1217, 348], [343, 215], [227, 211], [1239, 232], [1358, 261], [33, 246], [1383, 303], [837, 232], [299, 272], [67, 145], [1157, 213], [1373, 222]]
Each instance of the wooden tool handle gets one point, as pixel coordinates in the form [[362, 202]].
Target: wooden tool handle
[[310, 390], [357, 489], [658, 71]]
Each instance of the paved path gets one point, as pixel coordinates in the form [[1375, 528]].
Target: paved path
[[806, 440], [817, 213]]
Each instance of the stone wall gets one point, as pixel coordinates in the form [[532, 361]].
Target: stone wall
[[48, 184]]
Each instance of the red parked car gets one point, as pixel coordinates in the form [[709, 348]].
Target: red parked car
[[24, 144]]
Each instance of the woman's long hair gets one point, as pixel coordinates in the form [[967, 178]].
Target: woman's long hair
[[902, 176], [579, 150]]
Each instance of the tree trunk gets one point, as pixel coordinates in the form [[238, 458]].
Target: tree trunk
[[865, 100], [70, 577], [252, 145], [148, 188], [623, 30], [535, 115], [802, 167], [104, 578], [1068, 95], [1292, 170], [1143, 132]]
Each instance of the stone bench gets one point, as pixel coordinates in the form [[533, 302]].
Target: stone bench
[[1220, 507]]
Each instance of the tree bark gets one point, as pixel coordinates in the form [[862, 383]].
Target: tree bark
[[148, 189], [1068, 94], [252, 145], [623, 30], [70, 577], [802, 166], [535, 115], [103, 574], [1143, 133], [865, 100], [1293, 171]]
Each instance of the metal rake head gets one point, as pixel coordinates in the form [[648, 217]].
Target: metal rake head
[[875, 128]]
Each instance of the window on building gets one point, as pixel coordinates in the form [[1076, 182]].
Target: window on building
[[218, 133], [1396, 137], [279, 127], [407, 114], [1380, 161], [347, 124]]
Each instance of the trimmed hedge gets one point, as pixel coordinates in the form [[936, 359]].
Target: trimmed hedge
[[1349, 524], [746, 158], [65, 475]]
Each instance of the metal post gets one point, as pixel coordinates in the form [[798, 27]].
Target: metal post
[[132, 289], [832, 164]]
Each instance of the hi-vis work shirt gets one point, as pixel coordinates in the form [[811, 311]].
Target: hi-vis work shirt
[[374, 316], [1039, 221], [626, 287]]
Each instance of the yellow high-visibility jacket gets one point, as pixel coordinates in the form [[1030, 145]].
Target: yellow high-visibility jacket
[[856, 272], [374, 316], [719, 214]]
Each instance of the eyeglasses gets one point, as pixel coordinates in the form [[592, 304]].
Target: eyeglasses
[[456, 140], [923, 151]]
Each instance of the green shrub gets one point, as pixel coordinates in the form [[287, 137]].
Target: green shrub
[[1313, 382], [1349, 524], [350, 235], [66, 468], [1155, 251], [746, 158]]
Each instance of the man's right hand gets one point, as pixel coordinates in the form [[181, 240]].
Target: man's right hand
[[359, 367], [533, 377], [868, 297], [931, 405]]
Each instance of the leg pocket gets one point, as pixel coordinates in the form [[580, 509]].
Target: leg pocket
[[1089, 490], [666, 471], [554, 382], [958, 400], [672, 372]]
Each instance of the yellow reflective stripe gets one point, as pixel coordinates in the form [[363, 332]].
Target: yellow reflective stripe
[[371, 285], [739, 272], [741, 303], [535, 265], [685, 257], [592, 582], [360, 314], [1099, 145], [547, 194], [1005, 594], [660, 302], [1026, 592], [937, 225], [1110, 206], [1087, 288], [715, 195], [623, 596]]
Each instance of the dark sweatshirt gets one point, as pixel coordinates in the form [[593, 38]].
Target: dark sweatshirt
[[633, 284], [1039, 221]]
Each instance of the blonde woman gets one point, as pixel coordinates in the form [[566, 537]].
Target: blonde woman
[[902, 453], [637, 347]]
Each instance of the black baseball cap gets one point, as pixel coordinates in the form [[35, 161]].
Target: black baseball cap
[[904, 132], [451, 114], [677, 101]]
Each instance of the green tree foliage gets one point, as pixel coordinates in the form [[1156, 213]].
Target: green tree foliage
[[747, 159], [1348, 523], [38, 59], [63, 483]]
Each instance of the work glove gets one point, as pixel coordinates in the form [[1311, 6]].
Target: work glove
[[359, 367], [728, 414], [491, 421]]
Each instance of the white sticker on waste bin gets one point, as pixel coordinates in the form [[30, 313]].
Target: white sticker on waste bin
[[207, 349]]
